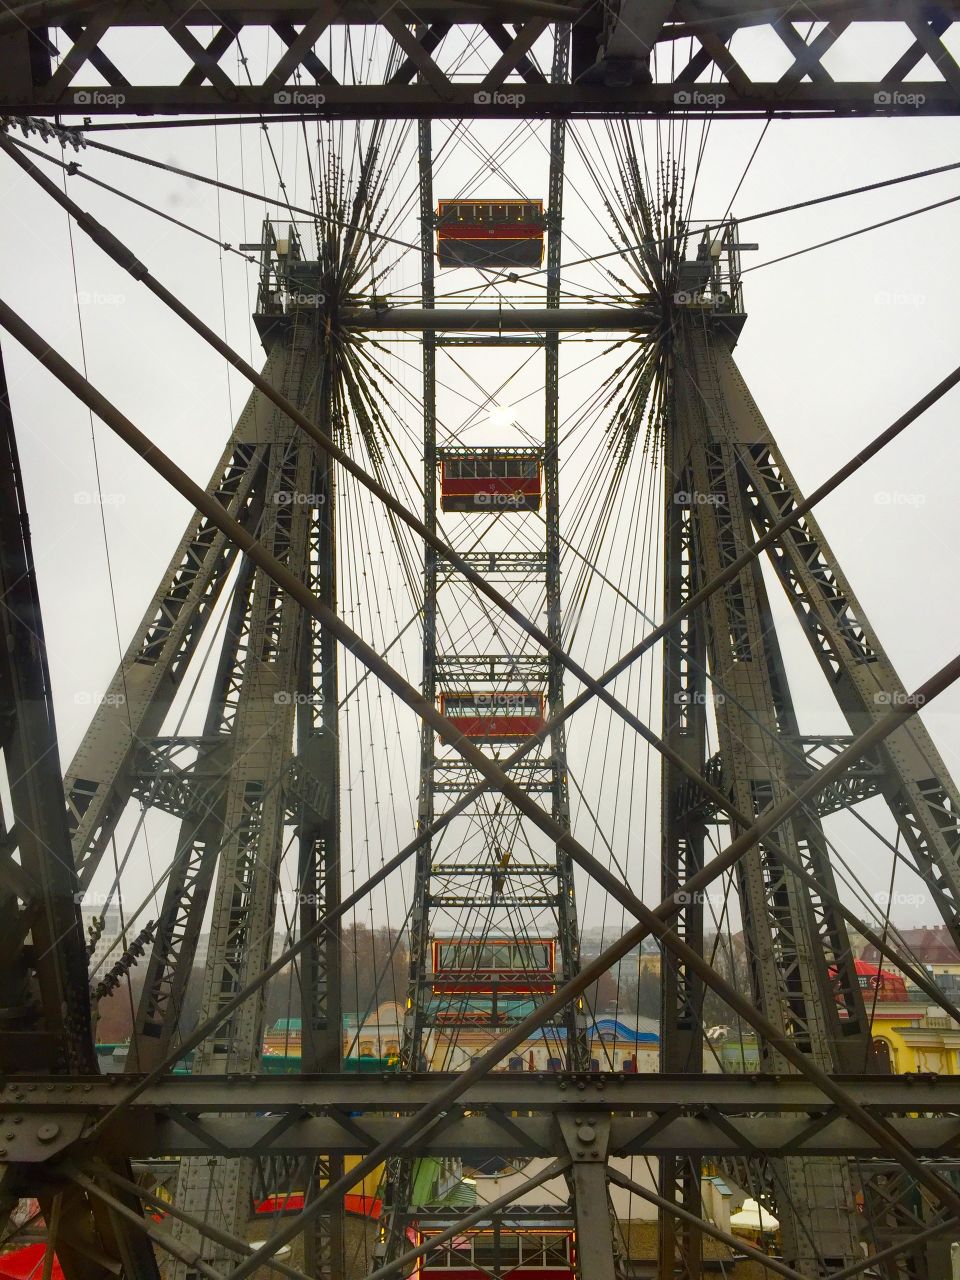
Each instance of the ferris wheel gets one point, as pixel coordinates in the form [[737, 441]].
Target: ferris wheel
[[480, 671]]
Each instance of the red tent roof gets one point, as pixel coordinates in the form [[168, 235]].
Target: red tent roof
[[27, 1263]]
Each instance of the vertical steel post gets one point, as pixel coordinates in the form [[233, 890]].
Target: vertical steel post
[[578, 1046], [682, 840]]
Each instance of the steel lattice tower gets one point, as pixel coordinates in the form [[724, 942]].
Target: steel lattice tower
[[266, 760], [725, 485]]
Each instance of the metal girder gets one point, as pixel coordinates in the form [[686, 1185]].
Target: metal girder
[[647, 1116], [157, 780], [618, 53], [44, 993], [616, 1092], [801, 971], [399, 1179], [568, 930], [502, 320], [859, 783], [915, 781], [683, 833], [476, 1138], [98, 782], [587, 1137]]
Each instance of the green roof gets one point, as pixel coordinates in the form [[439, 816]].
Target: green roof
[[461, 1196], [425, 1180]]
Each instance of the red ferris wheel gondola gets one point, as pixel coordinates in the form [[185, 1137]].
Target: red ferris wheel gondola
[[488, 966], [490, 233], [525, 1250], [507, 715], [490, 480]]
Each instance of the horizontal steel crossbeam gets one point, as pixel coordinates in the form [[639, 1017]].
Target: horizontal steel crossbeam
[[651, 1115], [538, 1091], [707, 71], [500, 320]]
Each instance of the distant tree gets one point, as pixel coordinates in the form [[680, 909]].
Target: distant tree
[[603, 995], [729, 958], [375, 967]]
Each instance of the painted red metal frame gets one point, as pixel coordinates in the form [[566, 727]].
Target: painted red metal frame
[[498, 726], [449, 980]]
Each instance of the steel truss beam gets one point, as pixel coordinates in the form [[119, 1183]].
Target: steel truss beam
[[791, 948], [277, 669], [707, 70], [649, 1115], [505, 320]]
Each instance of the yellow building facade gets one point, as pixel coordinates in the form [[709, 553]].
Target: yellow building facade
[[916, 1038]]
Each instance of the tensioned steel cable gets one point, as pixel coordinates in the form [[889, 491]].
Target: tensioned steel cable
[[235, 190], [849, 235]]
